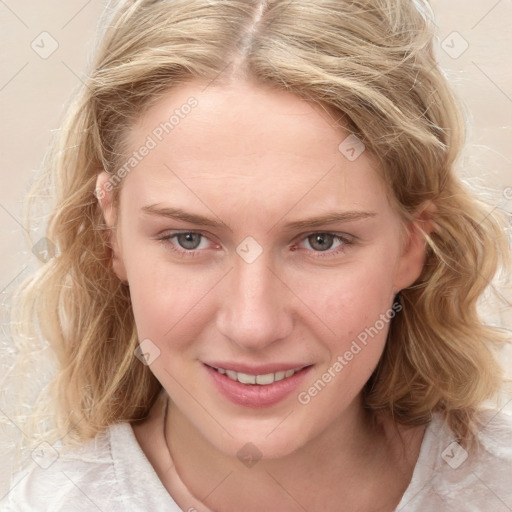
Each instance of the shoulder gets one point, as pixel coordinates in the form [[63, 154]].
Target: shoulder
[[66, 477], [109, 472], [447, 474]]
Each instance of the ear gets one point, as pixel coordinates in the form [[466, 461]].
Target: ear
[[103, 192], [414, 250]]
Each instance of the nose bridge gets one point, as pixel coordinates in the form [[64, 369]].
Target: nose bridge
[[253, 311]]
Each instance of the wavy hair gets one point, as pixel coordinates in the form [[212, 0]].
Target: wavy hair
[[371, 63]]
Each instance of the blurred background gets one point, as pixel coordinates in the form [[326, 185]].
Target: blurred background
[[46, 46]]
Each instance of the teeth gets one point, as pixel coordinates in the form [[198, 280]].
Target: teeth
[[232, 375], [246, 379], [279, 376], [262, 380]]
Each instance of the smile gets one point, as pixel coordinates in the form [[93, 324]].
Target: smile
[[256, 387], [261, 380]]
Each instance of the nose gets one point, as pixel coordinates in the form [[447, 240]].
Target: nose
[[255, 308]]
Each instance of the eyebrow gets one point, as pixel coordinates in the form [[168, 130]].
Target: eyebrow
[[201, 220], [179, 214], [328, 218]]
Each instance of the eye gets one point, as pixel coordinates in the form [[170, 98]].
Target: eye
[[187, 243], [330, 243], [321, 241]]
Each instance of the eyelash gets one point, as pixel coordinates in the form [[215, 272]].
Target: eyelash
[[346, 242]]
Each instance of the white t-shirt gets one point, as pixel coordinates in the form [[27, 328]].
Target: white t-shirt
[[112, 474]]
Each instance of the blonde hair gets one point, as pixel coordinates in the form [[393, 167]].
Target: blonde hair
[[371, 63]]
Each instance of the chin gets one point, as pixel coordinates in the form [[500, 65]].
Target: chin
[[260, 444]]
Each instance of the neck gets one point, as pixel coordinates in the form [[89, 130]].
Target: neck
[[307, 478]]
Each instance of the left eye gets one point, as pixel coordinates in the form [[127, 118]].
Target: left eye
[[321, 242]]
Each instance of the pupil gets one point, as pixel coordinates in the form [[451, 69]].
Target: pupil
[[321, 242], [188, 240]]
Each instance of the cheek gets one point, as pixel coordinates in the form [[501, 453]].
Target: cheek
[[352, 297], [357, 307], [355, 303], [166, 296]]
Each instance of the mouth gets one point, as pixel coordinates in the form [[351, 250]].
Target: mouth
[[256, 387], [260, 380]]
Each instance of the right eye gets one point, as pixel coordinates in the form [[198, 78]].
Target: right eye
[[186, 243]]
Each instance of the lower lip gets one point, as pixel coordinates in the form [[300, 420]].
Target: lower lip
[[254, 395]]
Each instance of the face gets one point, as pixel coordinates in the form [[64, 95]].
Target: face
[[254, 247]]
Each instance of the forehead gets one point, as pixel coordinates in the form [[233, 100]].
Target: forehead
[[245, 141]]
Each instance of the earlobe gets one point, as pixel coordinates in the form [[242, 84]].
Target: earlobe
[[103, 192], [413, 257]]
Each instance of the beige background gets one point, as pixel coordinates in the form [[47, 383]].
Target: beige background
[[474, 49]]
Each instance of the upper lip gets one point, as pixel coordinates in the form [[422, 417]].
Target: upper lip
[[251, 369]]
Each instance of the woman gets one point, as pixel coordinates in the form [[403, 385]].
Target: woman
[[270, 271]]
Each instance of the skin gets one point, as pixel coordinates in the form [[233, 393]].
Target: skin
[[255, 159]]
